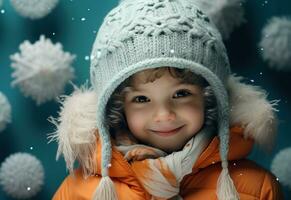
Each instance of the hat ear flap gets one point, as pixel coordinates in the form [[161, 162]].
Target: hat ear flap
[[76, 131], [250, 108]]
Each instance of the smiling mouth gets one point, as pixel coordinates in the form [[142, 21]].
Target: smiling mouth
[[168, 132]]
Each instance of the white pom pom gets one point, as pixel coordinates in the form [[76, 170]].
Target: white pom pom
[[225, 14], [34, 9], [76, 129], [275, 43], [42, 69], [5, 111], [21, 175], [250, 107], [280, 166]]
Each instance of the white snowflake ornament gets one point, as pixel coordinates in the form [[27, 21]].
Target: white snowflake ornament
[[42, 69], [5, 111], [34, 9], [281, 167], [275, 43], [225, 14], [21, 176]]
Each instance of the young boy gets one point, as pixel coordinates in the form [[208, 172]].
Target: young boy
[[165, 120]]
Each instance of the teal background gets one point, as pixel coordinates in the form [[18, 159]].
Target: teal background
[[29, 127]]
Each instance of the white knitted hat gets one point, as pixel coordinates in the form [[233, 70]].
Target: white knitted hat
[[143, 34]]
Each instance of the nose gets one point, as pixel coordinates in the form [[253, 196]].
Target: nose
[[164, 113]]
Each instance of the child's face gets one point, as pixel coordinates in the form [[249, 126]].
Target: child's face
[[165, 113]]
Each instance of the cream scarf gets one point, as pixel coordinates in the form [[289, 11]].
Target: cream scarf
[[161, 177]]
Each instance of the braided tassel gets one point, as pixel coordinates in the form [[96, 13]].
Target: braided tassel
[[105, 190], [225, 187]]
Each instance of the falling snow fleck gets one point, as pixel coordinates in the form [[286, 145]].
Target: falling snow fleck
[[264, 3], [2, 11], [87, 57], [21, 176], [83, 19], [34, 9], [42, 69]]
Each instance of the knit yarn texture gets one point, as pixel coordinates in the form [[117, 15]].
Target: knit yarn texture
[[143, 34]]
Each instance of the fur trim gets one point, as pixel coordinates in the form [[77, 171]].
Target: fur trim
[[76, 129], [249, 107]]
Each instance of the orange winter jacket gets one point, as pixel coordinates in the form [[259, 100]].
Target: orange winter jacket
[[252, 181]]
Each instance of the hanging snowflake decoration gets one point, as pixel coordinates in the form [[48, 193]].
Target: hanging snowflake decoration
[[225, 14], [42, 69], [21, 175], [34, 9], [281, 167], [5, 111], [276, 43]]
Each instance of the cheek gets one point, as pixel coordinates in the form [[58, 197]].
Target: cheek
[[135, 120], [193, 112]]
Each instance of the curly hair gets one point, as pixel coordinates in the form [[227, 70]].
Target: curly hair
[[115, 108]]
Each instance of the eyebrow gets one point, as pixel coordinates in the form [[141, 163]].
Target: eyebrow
[[133, 88]]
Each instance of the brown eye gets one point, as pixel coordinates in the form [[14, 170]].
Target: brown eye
[[182, 93], [140, 99]]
